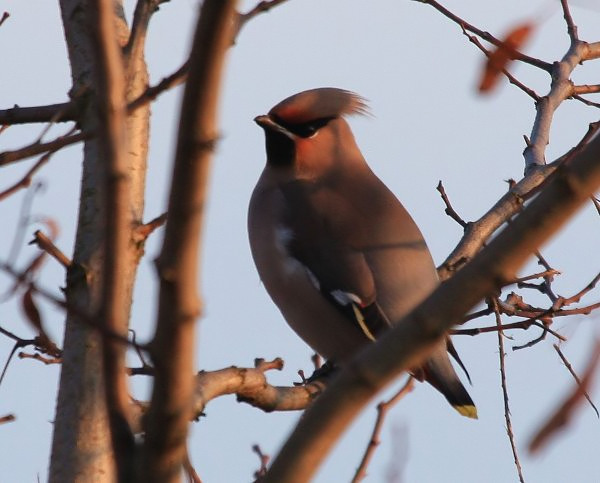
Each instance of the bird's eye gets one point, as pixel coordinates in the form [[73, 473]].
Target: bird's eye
[[308, 129]]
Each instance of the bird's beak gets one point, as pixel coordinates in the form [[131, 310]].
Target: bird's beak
[[268, 124]]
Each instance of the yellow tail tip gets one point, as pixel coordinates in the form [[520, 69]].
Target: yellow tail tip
[[468, 411]]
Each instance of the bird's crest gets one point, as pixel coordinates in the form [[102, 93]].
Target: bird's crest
[[324, 102]]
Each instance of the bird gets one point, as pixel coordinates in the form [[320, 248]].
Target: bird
[[335, 249]]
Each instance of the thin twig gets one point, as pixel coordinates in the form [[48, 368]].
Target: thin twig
[[4, 17], [142, 232], [487, 36], [260, 7], [449, 209], [507, 417], [139, 25], [9, 157], [67, 111], [511, 78], [577, 297], [25, 181], [84, 317], [545, 273], [586, 89], [577, 380], [24, 214], [523, 325], [382, 410], [189, 469], [263, 459], [44, 243], [165, 84], [571, 27], [8, 418], [596, 202], [41, 358]]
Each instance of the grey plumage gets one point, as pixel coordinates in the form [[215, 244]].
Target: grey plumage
[[335, 249]]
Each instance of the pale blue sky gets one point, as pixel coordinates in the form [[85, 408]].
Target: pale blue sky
[[418, 71]]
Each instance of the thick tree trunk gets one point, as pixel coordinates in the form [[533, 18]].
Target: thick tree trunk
[[81, 447]]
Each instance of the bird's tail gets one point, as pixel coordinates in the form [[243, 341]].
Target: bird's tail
[[439, 372]]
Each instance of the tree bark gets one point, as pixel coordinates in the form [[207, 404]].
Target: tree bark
[[81, 446]]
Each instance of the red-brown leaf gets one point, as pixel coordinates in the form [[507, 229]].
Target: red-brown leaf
[[499, 59]]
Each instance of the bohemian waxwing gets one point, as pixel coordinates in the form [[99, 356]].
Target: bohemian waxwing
[[335, 249]]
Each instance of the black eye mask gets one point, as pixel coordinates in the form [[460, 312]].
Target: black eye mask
[[305, 129]]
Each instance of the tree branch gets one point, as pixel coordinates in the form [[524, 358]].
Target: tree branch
[[510, 204], [63, 112], [561, 88], [111, 107], [250, 386], [172, 348]]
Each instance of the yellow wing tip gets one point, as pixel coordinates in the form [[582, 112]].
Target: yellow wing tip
[[468, 411]]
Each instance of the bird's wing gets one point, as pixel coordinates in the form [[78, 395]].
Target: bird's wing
[[316, 230]]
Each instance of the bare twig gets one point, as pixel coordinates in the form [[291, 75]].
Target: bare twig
[[585, 101], [25, 181], [139, 25], [260, 7], [586, 89], [165, 84], [524, 325], [9, 157], [507, 418], [67, 111], [546, 66], [511, 78], [41, 358], [577, 380], [596, 202], [571, 27], [142, 232], [547, 272], [19, 342], [264, 461], [84, 317], [44, 243], [561, 302], [189, 469], [62, 112], [4, 17], [8, 418], [449, 209], [382, 410]]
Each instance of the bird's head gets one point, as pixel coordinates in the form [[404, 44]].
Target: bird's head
[[307, 132]]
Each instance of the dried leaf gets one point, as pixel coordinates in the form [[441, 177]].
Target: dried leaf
[[31, 311], [499, 59]]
